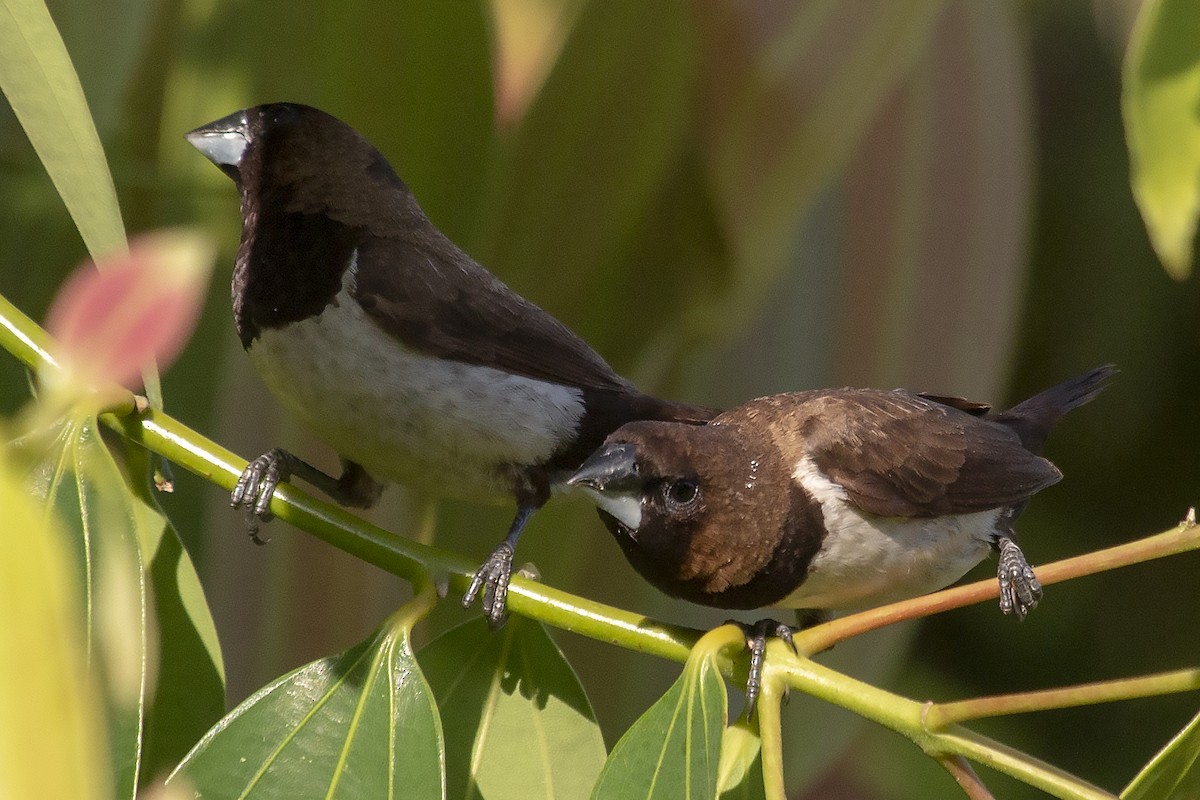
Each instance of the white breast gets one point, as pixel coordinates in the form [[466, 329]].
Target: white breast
[[408, 417], [868, 560]]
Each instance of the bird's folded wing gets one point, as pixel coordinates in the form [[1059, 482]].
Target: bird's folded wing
[[899, 454], [461, 312]]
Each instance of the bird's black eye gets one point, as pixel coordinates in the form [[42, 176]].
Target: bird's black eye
[[682, 494]]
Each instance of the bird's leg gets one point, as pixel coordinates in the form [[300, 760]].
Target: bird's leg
[[258, 481], [493, 577], [532, 491], [1020, 590], [756, 642]]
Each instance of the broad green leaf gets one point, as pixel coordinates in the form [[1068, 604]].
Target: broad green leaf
[[359, 724], [1161, 89], [79, 480], [517, 722], [578, 175], [674, 749], [189, 691], [40, 83], [162, 675], [52, 742], [1173, 774], [740, 775]]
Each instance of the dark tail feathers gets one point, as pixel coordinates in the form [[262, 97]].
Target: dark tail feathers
[[1033, 419]]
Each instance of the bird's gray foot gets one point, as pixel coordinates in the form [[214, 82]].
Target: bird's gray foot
[[493, 578], [756, 642], [256, 485], [1020, 590]]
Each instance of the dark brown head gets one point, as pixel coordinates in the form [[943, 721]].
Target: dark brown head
[[293, 156], [313, 194], [708, 513]]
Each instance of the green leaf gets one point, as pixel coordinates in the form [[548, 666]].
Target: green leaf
[[131, 564], [1173, 774], [740, 775], [517, 722], [77, 476], [359, 724], [189, 694], [37, 77], [41, 85], [1161, 89], [674, 749], [52, 742]]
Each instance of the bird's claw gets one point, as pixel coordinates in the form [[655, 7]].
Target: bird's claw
[[493, 578], [756, 642], [254, 489], [1020, 589]]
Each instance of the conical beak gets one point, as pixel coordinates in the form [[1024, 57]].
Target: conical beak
[[610, 478], [224, 141], [612, 468]]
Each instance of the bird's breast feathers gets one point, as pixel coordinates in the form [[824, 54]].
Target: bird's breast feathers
[[406, 416], [866, 560]]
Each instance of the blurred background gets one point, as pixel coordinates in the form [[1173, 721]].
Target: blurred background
[[727, 199]]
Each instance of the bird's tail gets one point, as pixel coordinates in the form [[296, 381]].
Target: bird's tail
[[1033, 419]]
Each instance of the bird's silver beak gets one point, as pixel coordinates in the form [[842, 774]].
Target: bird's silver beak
[[223, 141], [611, 468], [610, 478]]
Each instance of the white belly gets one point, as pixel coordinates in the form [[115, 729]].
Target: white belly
[[408, 417], [868, 560]]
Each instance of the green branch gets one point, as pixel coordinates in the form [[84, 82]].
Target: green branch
[[941, 715]]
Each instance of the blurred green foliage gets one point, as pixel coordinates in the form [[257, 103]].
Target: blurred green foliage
[[728, 200]]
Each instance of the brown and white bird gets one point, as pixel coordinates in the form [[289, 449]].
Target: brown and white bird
[[391, 344], [830, 499]]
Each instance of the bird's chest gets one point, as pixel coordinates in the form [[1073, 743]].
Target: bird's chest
[[408, 417], [867, 560]]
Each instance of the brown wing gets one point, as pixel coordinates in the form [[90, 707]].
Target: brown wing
[[899, 454], [432, 297]]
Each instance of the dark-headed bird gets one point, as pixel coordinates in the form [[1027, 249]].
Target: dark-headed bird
[[830, 499]]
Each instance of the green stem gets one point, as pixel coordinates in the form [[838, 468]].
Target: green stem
[[406, 558], [940, 715], [906, 716], [770, 732], [423, 600]]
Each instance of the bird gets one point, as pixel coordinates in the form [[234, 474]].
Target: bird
[[387, 341], [830, 499]]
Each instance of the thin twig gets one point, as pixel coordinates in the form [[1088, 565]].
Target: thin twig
[[940, 715], [960, 769], [1180, 539]]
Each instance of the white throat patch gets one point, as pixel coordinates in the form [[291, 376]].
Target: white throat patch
[[626, 507]]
